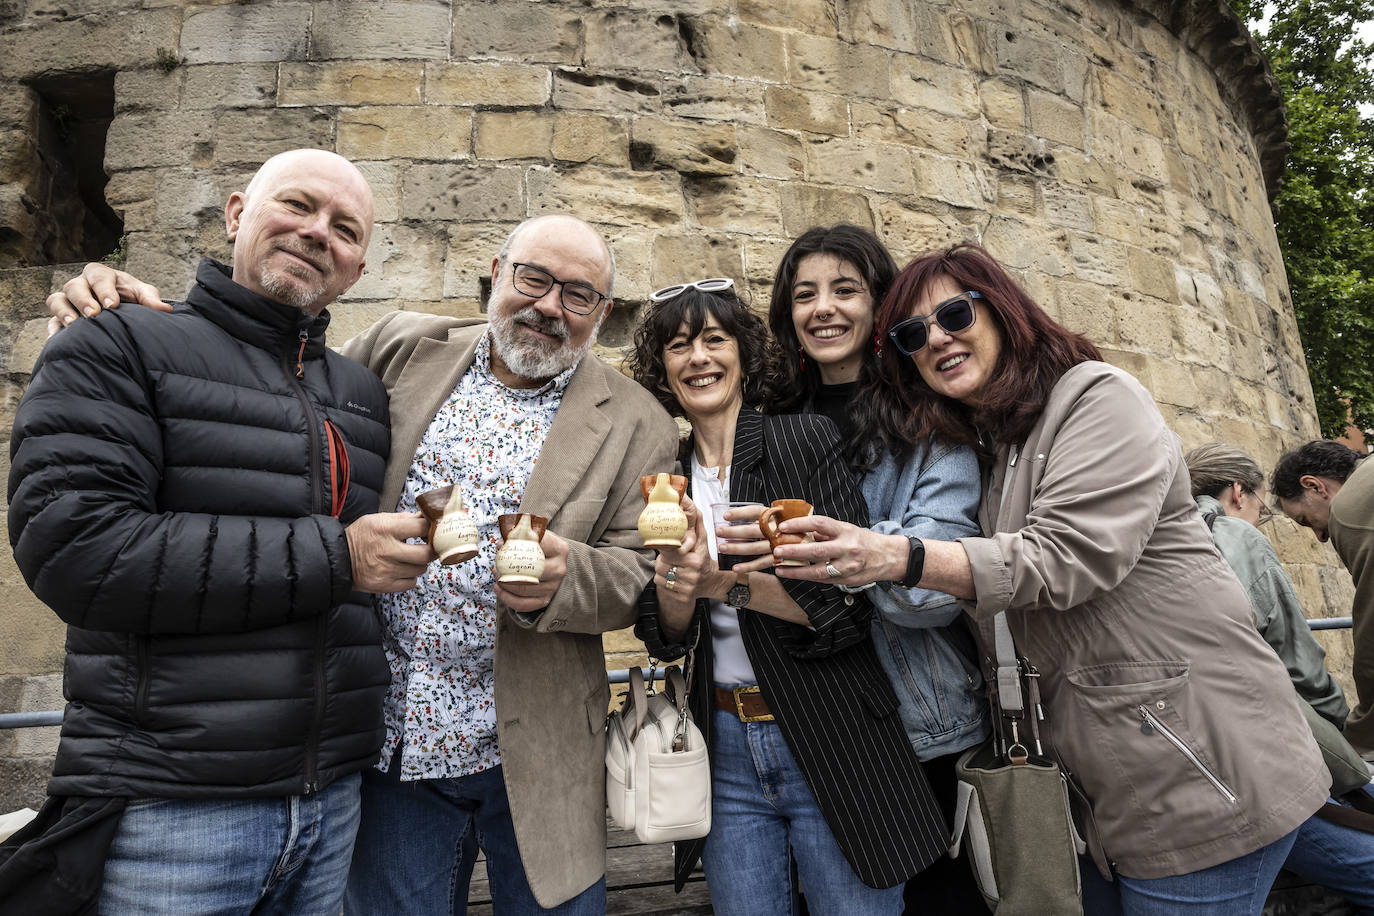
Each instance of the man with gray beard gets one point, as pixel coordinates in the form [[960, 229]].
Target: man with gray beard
[[498, 696]]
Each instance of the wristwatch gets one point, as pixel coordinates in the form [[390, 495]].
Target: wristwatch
[[738, 596], [915, 563]]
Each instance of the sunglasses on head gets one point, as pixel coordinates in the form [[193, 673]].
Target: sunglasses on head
[[953, 315], [713, 285]]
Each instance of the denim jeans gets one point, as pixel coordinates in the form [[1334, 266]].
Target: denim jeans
[[762, 811], [418, 842], [1338, 858], [1235, 888], [285, 856]]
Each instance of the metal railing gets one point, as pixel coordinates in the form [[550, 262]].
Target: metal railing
[[50, 717]]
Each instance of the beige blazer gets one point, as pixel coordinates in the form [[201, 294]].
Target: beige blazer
[[1176, 718], [551, 691]]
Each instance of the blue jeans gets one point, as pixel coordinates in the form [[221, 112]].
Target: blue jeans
[[1235, 888], [1338, 858], [261, 855], [762, 812], [419, 840]]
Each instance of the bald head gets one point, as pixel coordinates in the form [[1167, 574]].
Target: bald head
[[569, 227], [300, 229]]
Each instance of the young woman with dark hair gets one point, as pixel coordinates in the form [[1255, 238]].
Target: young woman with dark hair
[[809, 760], [1162, 701]]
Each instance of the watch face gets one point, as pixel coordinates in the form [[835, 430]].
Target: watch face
[[738, 595]]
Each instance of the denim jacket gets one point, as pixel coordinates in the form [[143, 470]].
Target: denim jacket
[[923, 643]]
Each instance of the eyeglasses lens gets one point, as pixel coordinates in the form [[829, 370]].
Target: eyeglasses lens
[[954, 315]]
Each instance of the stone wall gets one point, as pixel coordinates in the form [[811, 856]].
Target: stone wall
[[1119, 156]]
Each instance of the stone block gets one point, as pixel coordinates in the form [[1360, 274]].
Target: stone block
[[523, 32], [144, 89], [1016, 194], [1201, 339], [251, 137], [761, 259], [736, 205], [920, 28], [1152, 275], [581, 137], [1003, 105], [1099, 260], [1087, 309], [615, 38], [920, 83], [815, 17], [1067, 206], [734, 48], [384, 177], [467, 265], [806, 205], [139, 140], [361, 82], [1057, 119], [26, 346], [714, 98], [404, 261], [687, 147], [513, 134], [908, 231], [815, 112], [1084, 169], [879, 167], [102, 41], [350, 29], [605, 92], [607, 196], [189, 198], [955, 181], [427, 132], [827, 65], [23, 782], [244, 33], [503, 84], [770, 153], [1173, 383], [633, 249], [40, 693], [1011, 243], [1145, 325], [1031, 59], [695, 254], [1132, 103], [479, 193], [965, 138], [229, 86]]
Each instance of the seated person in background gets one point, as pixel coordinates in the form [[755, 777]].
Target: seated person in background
[[1229, 489]]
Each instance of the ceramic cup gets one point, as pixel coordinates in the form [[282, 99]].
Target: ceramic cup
[[520, 558], [663, 523], [452, 533], [776, 514]]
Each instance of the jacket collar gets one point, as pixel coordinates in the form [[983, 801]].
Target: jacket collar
[[254, 318], [748, 448]]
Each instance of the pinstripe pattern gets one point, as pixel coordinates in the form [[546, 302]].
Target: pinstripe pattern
[[833, 702]]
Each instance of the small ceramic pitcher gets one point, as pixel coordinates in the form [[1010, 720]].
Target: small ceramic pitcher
[[663, 523], [452, 533], [521, 558], [776, 514]]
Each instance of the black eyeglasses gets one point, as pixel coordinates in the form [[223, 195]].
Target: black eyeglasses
[[953, 315], [535, 282]]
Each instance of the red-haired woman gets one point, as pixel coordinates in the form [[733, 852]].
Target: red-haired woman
[[1163, 702]]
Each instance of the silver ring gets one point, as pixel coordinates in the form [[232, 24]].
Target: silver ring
[[832, 572], [670, 580]]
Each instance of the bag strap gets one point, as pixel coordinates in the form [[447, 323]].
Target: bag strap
[[675, 688], [1358, 818], [636, 701]]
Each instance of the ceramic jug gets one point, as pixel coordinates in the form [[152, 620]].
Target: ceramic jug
[[776, 514], [520, 558], [662, 523], [452, 533]]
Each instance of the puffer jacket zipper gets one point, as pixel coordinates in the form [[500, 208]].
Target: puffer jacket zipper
[[293, 375], [1149, 722]]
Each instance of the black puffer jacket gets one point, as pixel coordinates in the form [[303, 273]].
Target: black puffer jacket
[[178, 496]]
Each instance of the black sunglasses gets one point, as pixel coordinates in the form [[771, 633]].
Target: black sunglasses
[[954, 315]]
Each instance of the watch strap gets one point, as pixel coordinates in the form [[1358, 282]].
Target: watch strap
[[915, 562]]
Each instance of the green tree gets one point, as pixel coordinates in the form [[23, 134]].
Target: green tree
[[1325, 208]]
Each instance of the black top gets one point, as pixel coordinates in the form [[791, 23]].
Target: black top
[[837, 403]]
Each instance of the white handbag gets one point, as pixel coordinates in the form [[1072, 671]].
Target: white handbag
[[658, 776]]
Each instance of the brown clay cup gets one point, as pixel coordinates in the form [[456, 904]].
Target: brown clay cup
[[775, 515], [508, 522], [676, 481], [433, 504]]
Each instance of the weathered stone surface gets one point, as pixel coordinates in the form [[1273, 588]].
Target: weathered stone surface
[[690, 149], [879, 167], [726, 46], [815, 17], [590, 138], [637, 198], [816, 112], [104, 41], [771, 153], [616, 37], [922, 84], [904, 26], [921, 128], [403, 262], [602, 92], [698, 254], [351, 83], [250, 138], [805, 205], [714, 98], [513, 134], [526, 32], [246, 33], [229, 85], [428, 132], [467, 264], [458, 192], [504, 84], [827, 65], [366, 28], [736, 205]]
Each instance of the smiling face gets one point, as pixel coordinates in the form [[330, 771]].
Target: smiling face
[[704, 371], [300, 229], [956, 365], [832, 312], [534, 339]]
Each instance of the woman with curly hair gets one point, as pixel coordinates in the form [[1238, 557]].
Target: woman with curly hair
[[809, 759]]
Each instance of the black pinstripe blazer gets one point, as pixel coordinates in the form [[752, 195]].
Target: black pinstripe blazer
[[832, 700]]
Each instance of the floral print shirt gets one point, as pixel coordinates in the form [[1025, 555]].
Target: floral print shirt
[[441, 636]]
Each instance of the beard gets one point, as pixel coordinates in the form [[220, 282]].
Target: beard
[[536, 359], [297, 285]]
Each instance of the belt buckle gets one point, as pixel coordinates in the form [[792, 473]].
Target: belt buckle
[[739, 693]]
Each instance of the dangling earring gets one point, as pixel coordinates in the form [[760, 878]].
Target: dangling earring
[[877, 344], [801, 359]]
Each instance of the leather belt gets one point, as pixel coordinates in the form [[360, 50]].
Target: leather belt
[[745, 702]]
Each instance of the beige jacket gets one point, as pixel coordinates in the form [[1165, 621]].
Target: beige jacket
[[551, 691], [1174, 716]]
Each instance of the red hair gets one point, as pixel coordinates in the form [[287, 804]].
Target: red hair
[[1036, 351]]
